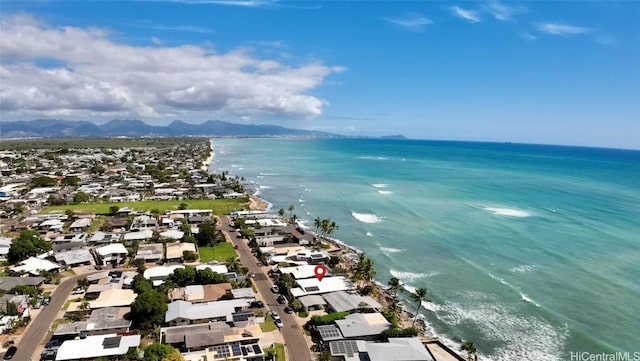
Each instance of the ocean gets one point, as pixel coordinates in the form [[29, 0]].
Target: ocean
[[530, 251]]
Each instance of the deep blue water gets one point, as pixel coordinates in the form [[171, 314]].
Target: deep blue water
[[530, 251]]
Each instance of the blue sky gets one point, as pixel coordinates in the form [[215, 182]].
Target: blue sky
[[559, 72]]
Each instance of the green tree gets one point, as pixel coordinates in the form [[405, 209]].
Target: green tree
[[233, 264], [470, 349], [26, 245], [83, 283], [113, 210], [11, 309], [81, 197], [418, 297], [207, 276], [70, 181], [158, 352], [395, 286], [207, 234], [25, 290], [183, 206], [43, 181], [148, 310], [69, 213], [184, 276], [364, 269], [141, 284]]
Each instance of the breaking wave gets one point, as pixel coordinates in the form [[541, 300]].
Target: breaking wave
[[509, 212], [366, 217]]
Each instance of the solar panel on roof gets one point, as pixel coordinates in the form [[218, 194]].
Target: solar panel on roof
[[329, 332], [312, 289], [235, 349], [257, 349], [244, 351], [242, 316], [111, 342]]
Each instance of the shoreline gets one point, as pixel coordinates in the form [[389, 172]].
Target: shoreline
[[207, 162], [381, 293]]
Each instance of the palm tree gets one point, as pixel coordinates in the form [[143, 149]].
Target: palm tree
[[364, 270], [331, 227], [281, 212], [317, 223], [418, 297], [233, 264], [470, 348], [290, 209], [394, 286]]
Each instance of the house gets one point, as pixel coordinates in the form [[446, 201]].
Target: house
[[152, 252], [400, 349], [112, 254], [139, 236], [246, 292], [160, 272], [99, 346], [185, 313], [102, 237], [300, 272], [200, 293], [34, 266], [215, 341], [363, 325], [80, 225], [113, 298], [176, 250], [312, 286], [8, 283], [75, 257], [143, 222], [54, 225], [5, 244], [101, 321], [68, 238], [116, 223], [217, 268], [350, 301]]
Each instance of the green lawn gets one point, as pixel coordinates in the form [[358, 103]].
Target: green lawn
[[219, 206], [268, 325], [280, 352], [220, 252]]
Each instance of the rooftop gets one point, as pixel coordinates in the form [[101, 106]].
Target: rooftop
[[97, 346]]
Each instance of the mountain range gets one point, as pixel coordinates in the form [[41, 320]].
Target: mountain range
[[57, 128]]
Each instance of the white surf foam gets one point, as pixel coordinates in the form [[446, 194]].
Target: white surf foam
[[366, 217], [509, 212], [380, 185], [268, 174], [523, 268], [521, 337], [526, 298], [391, 250], [369, 234], [410, 276], [265, 187], [384, 192]]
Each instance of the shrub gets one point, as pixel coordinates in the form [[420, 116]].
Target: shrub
[[400, 332], [328, 319]]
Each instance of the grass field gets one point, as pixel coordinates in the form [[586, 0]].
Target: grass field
[[219, 206], [220, 252], [280, 352], [268, 324]]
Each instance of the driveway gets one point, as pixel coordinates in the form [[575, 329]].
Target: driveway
[[297, 349]]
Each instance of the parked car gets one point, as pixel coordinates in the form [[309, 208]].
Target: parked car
[[275, 315], [282, 299], [256, 304], [78, 291], [278, 323], [11, 351], [288, 309], [275, 289]]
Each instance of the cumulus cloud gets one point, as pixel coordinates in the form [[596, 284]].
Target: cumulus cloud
[[413, 22], [562, 29], [468, 15], [70, 71]]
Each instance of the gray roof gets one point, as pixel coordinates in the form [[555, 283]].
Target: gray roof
[[202, 311], [348, 301], [400, 349], [101, 319], [150, 251], [180, 334], [8, 283], [312, 300], [74, 256], [243, 293], [67, 245], [356, 325]]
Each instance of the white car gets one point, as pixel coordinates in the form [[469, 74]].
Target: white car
[[275, 289], [278, 323]]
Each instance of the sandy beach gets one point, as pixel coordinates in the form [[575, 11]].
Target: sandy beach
[[207, 162]]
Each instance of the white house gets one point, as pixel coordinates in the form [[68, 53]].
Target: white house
[[114, 253]]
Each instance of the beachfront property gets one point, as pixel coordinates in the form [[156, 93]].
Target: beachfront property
[[397, 349]]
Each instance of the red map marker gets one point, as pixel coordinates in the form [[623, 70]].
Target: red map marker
[[320, 271]]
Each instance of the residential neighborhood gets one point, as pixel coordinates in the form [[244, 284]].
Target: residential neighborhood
[[139, 253]]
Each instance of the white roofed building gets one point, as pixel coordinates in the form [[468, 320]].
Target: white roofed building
[[92, 347], [114, 253]]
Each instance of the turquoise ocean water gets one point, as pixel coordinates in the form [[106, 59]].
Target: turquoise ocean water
[[530, 251]]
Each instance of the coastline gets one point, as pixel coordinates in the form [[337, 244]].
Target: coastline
[[380, 293], [207, 162]]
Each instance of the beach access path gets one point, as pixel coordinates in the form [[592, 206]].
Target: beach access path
[[295, 343]]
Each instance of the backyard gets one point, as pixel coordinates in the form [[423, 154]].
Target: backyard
[[220, 252]]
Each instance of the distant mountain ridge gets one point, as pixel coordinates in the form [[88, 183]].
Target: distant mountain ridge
[[51, 128]]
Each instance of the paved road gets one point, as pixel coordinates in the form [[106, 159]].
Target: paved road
[[297, 348], [39, 326]]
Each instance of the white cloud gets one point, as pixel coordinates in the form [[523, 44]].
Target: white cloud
[[107, 78], [503, 12], [156, 40], [470, 15], [413, 22], [562, 29]]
